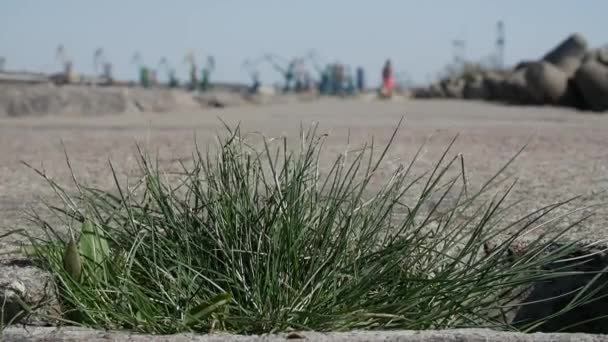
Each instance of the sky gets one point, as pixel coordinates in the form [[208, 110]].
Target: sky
[[416, 35]]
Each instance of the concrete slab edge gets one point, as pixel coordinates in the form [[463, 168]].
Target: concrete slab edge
[[476, 335]]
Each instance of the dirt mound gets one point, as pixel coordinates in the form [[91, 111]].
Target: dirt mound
[[45, 99], [23, 100]]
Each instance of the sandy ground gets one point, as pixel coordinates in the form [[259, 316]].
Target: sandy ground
[[567, 154]]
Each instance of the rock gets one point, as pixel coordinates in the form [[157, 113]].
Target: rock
[[573, 97], [475, 89], [592, 81], [568, 55], [436, 91], [433, 91], [515, 89], [453, 88], [546, 83], [24, 286], [494, 85], [598, 55], [551, 296], [602, 55], [523, 65]]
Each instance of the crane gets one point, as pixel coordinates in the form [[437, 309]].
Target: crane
[[62, 56], [500, 44], [100, 60], [206, 72], [190, 59], [144, 73], [172, 80], [251, 66], [286, 68], [324, 73]]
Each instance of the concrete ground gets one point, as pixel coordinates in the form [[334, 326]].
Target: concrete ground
[[567, 153], [470, 335]]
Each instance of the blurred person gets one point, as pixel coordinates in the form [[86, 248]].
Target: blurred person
[[360, 79], [388, 81], [338, 78]]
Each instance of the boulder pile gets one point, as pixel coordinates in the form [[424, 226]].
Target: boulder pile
[[569, 75]]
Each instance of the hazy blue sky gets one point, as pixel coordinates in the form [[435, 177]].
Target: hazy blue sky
[[416, 35]]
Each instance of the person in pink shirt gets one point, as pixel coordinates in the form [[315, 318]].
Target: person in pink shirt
[[388, 81]]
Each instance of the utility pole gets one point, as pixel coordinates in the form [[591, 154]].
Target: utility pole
[[98, 60], [459, 46], [62, 55], [500, 44]]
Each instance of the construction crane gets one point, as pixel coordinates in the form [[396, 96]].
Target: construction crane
[[500, 44], [251, 67], [206, 73], [190, 59], [323, 70], [62, 56], [102, 65], [172, 79], [459, 46], [316, 61], [284, 67], [143, 71], [137, 59], [99, 59]]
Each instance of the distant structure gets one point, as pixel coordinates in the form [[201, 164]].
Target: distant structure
[[103, 66], [190, 59], [172, 80], [2, 63], [145, 74], [67, 75], [500, 44], [459, 48], [98, 59]]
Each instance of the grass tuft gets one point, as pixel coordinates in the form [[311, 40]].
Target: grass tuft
[[255, 240]]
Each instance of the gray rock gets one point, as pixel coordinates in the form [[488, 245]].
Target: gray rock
[[573, 97], [24, 287], [515, 88], [552, 296], [598, 55], [494, 85], [568, 55], [523, 65], [453, 89], [436, 91], [546, 83], [475, 89], [602, 55], [592, 81]]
